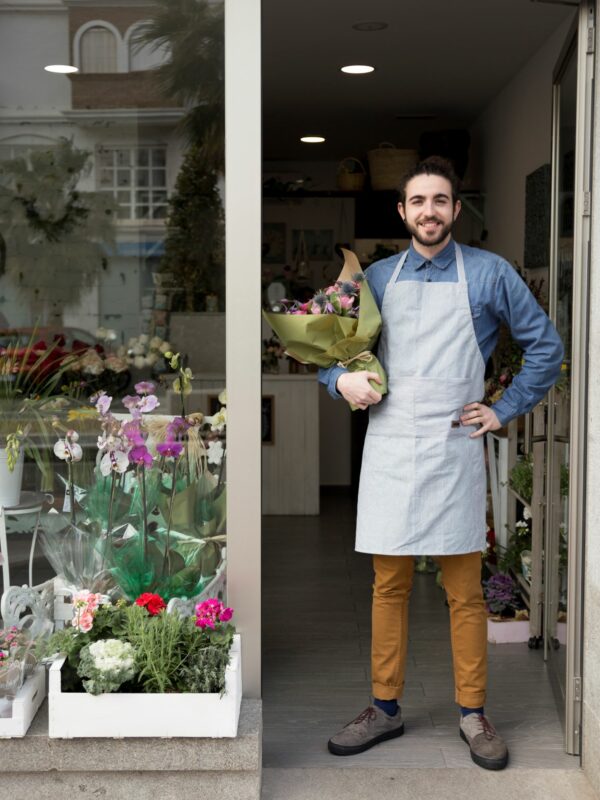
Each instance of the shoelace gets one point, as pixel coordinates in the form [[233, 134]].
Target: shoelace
[[486, 727], [368, 714]]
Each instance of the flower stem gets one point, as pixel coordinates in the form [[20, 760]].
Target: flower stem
[[144, 513], [166, 569], [71, 491]]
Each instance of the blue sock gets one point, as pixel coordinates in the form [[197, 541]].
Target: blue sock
[[389, 706], [464, 711]]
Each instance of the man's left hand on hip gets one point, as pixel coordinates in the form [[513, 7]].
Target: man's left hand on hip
[[480, 414]]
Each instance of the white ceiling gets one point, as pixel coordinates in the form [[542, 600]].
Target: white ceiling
[[443, 57]]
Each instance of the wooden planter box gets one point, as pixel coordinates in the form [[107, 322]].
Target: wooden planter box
[[25, 705], [507, 631], [118, 715]]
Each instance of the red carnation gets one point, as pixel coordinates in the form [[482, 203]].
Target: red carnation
[[153, 603]]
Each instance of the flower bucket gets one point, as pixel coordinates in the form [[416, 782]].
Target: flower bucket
[[10, 482], [75, 715], [17, 715], [507, 631]]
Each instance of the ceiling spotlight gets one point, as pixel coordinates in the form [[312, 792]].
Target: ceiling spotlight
[[370, 26], [62, 69], [312, 139], [357, 69]]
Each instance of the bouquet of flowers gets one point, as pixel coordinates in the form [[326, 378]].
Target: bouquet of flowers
[[144, 351], [339, 325]]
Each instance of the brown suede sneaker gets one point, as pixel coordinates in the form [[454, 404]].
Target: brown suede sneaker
[[488, 750], [371, 726]]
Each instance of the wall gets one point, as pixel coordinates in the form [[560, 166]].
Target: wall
[[511, 139]]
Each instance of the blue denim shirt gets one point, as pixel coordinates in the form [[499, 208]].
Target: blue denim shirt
[[497, 294]]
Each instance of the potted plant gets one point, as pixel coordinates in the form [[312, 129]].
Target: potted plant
[[507, 620], [137, 670], [29, 376], [22, 682]]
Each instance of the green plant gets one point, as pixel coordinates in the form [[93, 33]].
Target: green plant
[[521, 478]]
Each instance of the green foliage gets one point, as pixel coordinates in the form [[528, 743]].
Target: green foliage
[[521, 478], [48, 225], [206, 671], [195, 234]]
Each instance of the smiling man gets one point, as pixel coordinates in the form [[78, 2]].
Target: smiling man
[[423, 478]]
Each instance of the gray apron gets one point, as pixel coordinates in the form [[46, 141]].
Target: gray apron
[[423, 481]]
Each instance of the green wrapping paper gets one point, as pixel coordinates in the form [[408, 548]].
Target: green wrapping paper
[[329, 339]]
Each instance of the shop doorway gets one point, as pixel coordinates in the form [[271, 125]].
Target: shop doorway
[[303, 552]]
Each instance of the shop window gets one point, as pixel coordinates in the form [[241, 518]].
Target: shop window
[[137, 179], [99, 50]]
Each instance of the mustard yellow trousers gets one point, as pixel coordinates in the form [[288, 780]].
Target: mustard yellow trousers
[[461, 576]]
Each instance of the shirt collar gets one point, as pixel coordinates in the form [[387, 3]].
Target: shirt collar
[[442, 260]]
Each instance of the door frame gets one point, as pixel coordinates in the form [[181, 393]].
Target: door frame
[[582, 38], [243, 231]]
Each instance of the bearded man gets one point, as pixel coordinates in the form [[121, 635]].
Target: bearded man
[[423, 478]]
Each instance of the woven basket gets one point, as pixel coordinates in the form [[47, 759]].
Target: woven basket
[[351, 181], [387, 165]]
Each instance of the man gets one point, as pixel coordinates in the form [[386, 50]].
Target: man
[[423, 480]]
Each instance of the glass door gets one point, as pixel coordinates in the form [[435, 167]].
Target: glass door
[[563, 536]]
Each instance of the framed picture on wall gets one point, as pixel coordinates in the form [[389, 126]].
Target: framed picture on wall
[[273, 243]]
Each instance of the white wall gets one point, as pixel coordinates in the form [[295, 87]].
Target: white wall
[[511, 139]]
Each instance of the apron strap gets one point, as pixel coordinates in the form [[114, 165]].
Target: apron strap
[[460, 266]]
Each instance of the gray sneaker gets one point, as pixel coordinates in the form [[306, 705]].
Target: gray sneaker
[[488, 749], [371, 726]]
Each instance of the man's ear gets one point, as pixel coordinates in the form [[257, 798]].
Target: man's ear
[[401, 211], [457, 208]]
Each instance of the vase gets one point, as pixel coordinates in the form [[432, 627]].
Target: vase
[[10, 482]]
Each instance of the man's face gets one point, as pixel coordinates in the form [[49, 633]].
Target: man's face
[[429, 212]]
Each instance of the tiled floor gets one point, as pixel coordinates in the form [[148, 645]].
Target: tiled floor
[[316, 628]]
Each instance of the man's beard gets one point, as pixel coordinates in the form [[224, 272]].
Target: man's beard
[[442, 234]]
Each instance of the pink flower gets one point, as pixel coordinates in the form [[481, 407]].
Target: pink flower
[[226, 614], [84, 621], [131, 401], [169, 449], [330, 290], [148, 403], [315, 309], [140, 455], [145, 387], [177, 427], [131, 430], [210, 612], [346, 302]]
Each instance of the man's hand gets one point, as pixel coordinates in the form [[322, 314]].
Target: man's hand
[[356, 389], [479, 414]]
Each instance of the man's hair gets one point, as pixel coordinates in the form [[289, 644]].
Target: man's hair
[[434, 165]]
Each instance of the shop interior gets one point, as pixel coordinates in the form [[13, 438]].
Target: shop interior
[[472, 82]]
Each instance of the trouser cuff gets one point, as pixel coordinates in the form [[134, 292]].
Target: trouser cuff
[[470, 699], [384, 692]]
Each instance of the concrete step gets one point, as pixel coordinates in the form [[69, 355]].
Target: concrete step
[[39, 768]]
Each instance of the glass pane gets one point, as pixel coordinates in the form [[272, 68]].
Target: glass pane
[[106, 293]]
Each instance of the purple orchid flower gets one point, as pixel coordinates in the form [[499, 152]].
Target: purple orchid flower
[[177, 427], [169, 449], [132, 432], [139, 455], [145, 387], [102, 402], [130, 401], [148, 403]]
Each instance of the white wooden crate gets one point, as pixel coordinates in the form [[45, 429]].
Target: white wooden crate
[[119, 715], [25, 705]]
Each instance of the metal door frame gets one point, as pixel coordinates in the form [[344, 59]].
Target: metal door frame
[[582, 38]]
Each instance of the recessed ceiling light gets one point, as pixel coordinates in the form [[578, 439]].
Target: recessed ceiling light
[[357, 69], [370, 26], [62, 69], [312, 139]]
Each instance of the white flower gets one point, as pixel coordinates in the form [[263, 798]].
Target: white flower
[[522, 524], [137, 350], [215, 452], [110, 655], [101, 333], [155, 343], [151, 359], [111, 335], [139, 362], [165, 347], [218, 421], [144, 338], [526, 513], [223, 397], [116, 460], [68, 451]]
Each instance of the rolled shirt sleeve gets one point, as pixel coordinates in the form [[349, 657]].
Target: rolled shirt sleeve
[[533, 331]]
